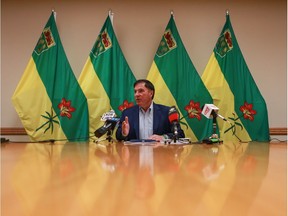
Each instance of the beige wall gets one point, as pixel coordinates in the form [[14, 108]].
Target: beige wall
[[260, 27]]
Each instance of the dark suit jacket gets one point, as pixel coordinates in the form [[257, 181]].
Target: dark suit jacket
[[161, 124]]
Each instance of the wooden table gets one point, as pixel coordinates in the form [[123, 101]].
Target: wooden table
[[113, 179]]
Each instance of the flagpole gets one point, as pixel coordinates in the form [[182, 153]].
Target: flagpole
[[172, 13], [111, 15], [227, 12], [54, 13]]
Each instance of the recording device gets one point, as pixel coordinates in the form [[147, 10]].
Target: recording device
[[173, 116], [110, 122]]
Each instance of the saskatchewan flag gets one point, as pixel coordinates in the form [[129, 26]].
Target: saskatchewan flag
[[234, 91], [106, 78], [48, 98], [178, 83]]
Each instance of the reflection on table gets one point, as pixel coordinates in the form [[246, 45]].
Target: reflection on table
[[110, 178]]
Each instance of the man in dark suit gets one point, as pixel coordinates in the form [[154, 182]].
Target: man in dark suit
[[146, 120]]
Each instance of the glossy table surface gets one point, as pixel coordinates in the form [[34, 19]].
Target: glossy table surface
[[113, 179]]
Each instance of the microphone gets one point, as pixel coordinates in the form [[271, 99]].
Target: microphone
[[173, 116], [110, 123], [211, 111], [220, 116]]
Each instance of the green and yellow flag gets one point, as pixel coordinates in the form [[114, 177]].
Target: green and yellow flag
[[234, 91], [106, 78], [48, 98], [178, 83]]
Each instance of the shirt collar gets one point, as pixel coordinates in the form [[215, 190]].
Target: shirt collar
[[150, 109]]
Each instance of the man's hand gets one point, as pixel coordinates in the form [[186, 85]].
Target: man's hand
[[157, 138], [125, 127]]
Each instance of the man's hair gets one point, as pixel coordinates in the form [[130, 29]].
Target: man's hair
[[147, 83]]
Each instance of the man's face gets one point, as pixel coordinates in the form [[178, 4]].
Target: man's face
[[143, 95]]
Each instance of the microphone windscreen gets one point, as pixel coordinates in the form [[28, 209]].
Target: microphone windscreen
[[173, 114], [208, 110], [173, 117]]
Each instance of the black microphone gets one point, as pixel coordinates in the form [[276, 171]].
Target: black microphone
[[109, 125], [110, 120], [173, 116]]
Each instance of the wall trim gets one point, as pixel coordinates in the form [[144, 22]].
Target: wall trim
[[13, 131], [278, 131], [21, 131]]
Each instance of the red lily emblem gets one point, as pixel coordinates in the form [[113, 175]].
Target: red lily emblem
[[125, 105], [65, 108], [193, 109], [248, 112]]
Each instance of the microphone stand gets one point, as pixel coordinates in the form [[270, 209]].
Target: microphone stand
[[214, 137], [175, 135], [109, 137], [214, 114]]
